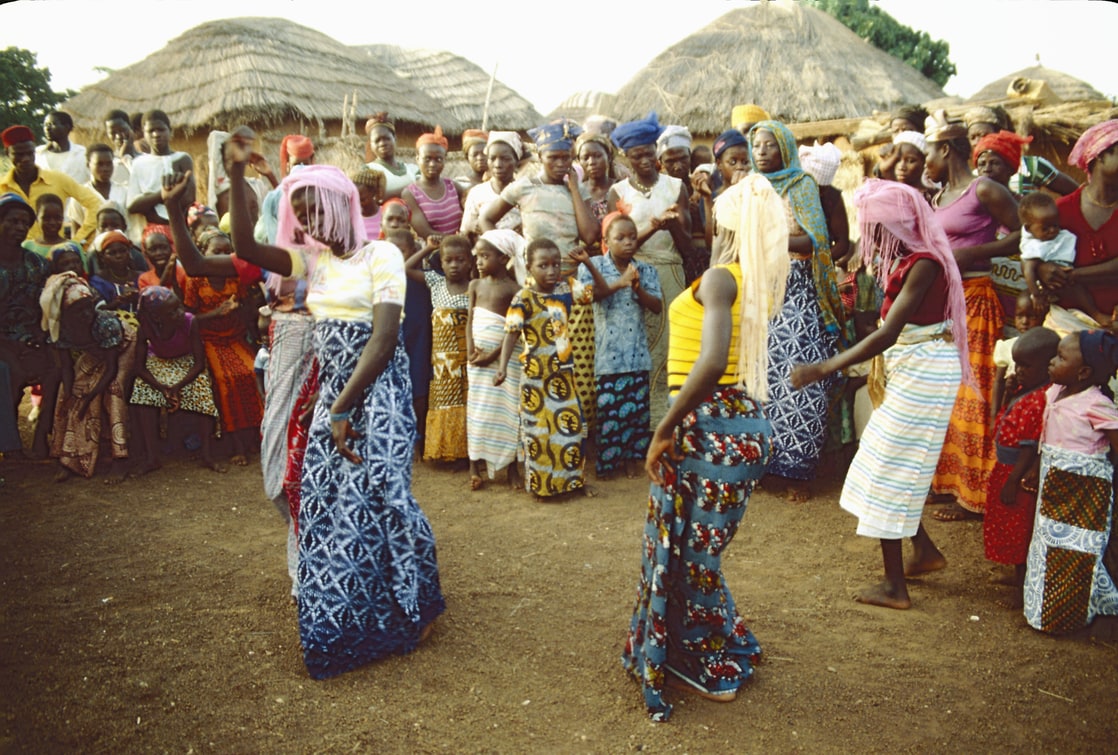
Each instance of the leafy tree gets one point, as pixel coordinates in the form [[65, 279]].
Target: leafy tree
[[926, 55], [25, 93]]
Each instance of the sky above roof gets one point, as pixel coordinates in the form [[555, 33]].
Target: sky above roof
[[601, 48]]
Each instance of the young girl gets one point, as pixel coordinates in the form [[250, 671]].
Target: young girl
[[165, 268], [115, 280], [492, 411], [97, 349], [445, 439], [1028, 313], [370, 187], [550, 414], [48, 212], [1010, 499], [67, 257], [216, 302], [622, 361], [171, 373], [435, 202], [1066, 582]]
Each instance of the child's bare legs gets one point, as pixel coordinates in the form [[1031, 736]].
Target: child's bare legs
[[634, 469], [515, 481], [1016, 599], [893, 591], [206, 451], [146, 419]]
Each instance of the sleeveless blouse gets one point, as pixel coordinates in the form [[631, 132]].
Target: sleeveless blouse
[[967, 223], [932, 308], [685, 328], [443, 215]]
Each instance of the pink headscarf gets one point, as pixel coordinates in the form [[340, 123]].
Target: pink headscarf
[[895, 220], [339, 206], [1094, 141]]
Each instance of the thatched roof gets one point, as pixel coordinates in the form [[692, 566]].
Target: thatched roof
[[458, 85], [1066, 87], [255, 70], [797, 62], [580, 105]]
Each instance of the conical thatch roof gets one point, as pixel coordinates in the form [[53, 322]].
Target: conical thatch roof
[[580, 105], [458, 85], [797, 62], [252, 70], [1066, 87]]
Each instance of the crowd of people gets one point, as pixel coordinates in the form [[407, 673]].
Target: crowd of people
[[602, 292]]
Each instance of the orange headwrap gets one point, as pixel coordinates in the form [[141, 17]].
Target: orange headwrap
[[607, 221], [1006, 144], [473, 136], [294, 145], [433, 138]]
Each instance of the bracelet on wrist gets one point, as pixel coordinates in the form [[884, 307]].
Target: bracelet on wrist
[[341, 416]]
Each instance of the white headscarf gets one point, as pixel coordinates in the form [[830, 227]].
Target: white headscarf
[[754, 214], [915, 138], [672, 137], [511, 138], [512, 245], [821, 161]]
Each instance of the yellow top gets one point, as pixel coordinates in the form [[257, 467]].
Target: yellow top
[[685, 328]]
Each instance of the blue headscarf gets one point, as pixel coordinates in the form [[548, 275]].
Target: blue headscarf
[[557, 135], [11, 200], [802, 193], [727, 139], [1100, 353], [637, 133]]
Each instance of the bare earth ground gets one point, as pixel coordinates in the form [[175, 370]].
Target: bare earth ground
[[154, 617]]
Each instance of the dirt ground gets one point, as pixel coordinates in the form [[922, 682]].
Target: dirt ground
[[154, 617]]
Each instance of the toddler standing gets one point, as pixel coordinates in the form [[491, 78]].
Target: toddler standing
[[1010, 498], [1066, 582], [1029, 313], [627, 288], [492, 411], [445, 436], [550, 414]]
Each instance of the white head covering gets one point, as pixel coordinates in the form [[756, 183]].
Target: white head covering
[[672, 137], [821, 161], [512, 245], [754, 213], [511, 138], [915, 138]]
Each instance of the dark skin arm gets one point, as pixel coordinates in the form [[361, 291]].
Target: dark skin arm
[[418, 219], [496, 210], [145, 203], [413, 265], [717, 291], [1027, 455], [195, 265], [111, 358], [372, 362], [588, 229], [507, 347], [915, 287]]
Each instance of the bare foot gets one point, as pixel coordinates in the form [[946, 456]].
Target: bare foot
[[797, 494], [675, 682], [924, 562], [633, 470], [589, 492], [884, 594], [426, 632], [476, 483], [954, 513], [1009, 580], [239, 460], [63, 475]]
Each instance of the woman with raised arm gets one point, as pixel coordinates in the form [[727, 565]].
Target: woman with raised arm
[[368, 580]]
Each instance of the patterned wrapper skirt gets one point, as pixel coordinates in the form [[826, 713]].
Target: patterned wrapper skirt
[[582, 356], [968, 450], [1066, 583], [685, 621], [551, 419], [799, 417], [445, 438], [624, 420], [291, 353], [368, 579], [196, 396]]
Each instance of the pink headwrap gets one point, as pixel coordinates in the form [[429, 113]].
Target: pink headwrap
[[896, 219], [339, 208], [1094, 141]]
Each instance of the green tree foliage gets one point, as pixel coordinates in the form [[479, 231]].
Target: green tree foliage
[[926, 55], [25, 93]]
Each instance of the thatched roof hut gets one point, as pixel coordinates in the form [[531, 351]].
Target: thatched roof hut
[[581, 105], [458, 85], [1066, 87], [795, 61], [262, 71]]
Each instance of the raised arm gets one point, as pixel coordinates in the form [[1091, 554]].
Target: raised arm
[[588, 229], [219, 265]]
